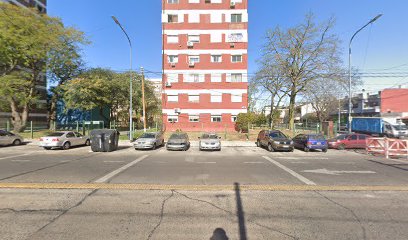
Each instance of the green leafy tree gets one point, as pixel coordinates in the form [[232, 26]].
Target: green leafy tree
[[27, 41], [244, 119]]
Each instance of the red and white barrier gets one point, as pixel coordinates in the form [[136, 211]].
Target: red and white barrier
[[387, 146]]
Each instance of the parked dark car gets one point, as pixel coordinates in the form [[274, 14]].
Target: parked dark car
[[308, 142], [344, 141], [274, 140], [178, 141]]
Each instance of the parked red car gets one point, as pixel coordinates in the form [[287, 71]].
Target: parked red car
[[344, 141]]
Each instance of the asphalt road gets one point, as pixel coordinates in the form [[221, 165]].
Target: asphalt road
[[247, 192]]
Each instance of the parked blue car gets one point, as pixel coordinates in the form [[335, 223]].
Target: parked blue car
[[306, 142]]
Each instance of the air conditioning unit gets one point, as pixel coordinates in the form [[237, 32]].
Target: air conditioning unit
[[190, 44], [168, 84], [173, 64], [232, 4], [191, 64], [177, 110], [232, 45]]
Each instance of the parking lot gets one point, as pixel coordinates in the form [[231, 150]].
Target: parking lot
[[247, 191]]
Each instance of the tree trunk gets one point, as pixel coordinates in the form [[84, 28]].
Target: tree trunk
[[292, 98], [19, 120], [53, 111], [271, 114]]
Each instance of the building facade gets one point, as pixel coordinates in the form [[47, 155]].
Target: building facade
[[205, 70], [39, 115]]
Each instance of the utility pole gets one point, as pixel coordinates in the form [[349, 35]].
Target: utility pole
[[143, 99]]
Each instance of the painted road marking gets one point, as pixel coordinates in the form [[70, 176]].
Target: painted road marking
[[206, 162], [254, 162], [334, 172], [119, 170], [111, 186], [290, 171], [15, 156], [113, 161]]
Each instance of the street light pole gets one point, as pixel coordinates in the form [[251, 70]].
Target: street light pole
[[143, 99], [130, 82], [351, 40]]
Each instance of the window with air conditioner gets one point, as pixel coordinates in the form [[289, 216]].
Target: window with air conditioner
[[236, 58], [172, 98], [194, 98], [193, 59], [172, 118], [236, 18], [215, 118], [172, 58], [193, 118], [216, 97], [172, 39], [172, 1], [216, 58], [172, 18], [236, 97], [236, 77]]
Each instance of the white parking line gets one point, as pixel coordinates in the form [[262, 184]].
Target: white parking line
[[290, 171], [15, 156], [119, 170]]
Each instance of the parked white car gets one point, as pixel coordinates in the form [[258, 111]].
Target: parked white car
[[64, 140], [210, 141], [9, 138]]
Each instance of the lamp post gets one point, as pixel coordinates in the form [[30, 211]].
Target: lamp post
[[130, 81], [351, 40]]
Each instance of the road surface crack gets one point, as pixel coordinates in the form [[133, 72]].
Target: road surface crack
[[29, 210], [348, 209], [64, 212], [161, 215], [233, 215]]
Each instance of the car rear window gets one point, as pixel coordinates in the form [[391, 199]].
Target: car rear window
[[55, 134], [317, 137]]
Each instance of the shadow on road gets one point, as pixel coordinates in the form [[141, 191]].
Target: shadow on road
[[240, 213], [219, 234]]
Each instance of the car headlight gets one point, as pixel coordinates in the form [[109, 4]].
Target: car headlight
[[291, 142], [276, 142]]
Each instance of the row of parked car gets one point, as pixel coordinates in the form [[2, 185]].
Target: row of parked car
[[273, 140]]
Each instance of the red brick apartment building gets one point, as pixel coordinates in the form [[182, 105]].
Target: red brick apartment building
[[205, 64]]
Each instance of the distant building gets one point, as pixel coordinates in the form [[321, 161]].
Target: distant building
[[39, 115], [205, 62], [157, 83], [283, 113], [394, 102]]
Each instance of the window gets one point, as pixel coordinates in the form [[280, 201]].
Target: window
[[172, 98], [194, 38], [216, 97], [236, 77], [172, 77], [361, 137], [193, 77], [172, 18], [216, 58], [236, 18], [235, 37], [173, 58], [216, 77], [236, 98], [78, 134], [173, 1], [216, 17], [194, 17], [194, 98], [216, 37], [215, 118], [193, 59], [236, 58], [234, 118], [70, 135], [193, 1], [193, 118], [172, 39], [172, 118], [353, 137]]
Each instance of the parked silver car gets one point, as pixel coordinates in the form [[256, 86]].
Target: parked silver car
[[178, 141], [149, 141], [64, 140], [210, 141], [9, 138]]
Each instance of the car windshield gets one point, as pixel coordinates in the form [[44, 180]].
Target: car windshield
[[178, 136], [55, 134], [400, 127], [317, 137], [148, 135], [209, 136], [341, 137], [277, 135]]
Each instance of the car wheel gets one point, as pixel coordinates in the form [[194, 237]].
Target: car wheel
[[66, 146], [341, 147], [258, 143], [47, 148], [270, 148], [88, 143], [17, 142], [162, 143], [291, 150], [324, 150], [154, 146], [306, 149]]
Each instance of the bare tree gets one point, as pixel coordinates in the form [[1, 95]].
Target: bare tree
[[303, 54]]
